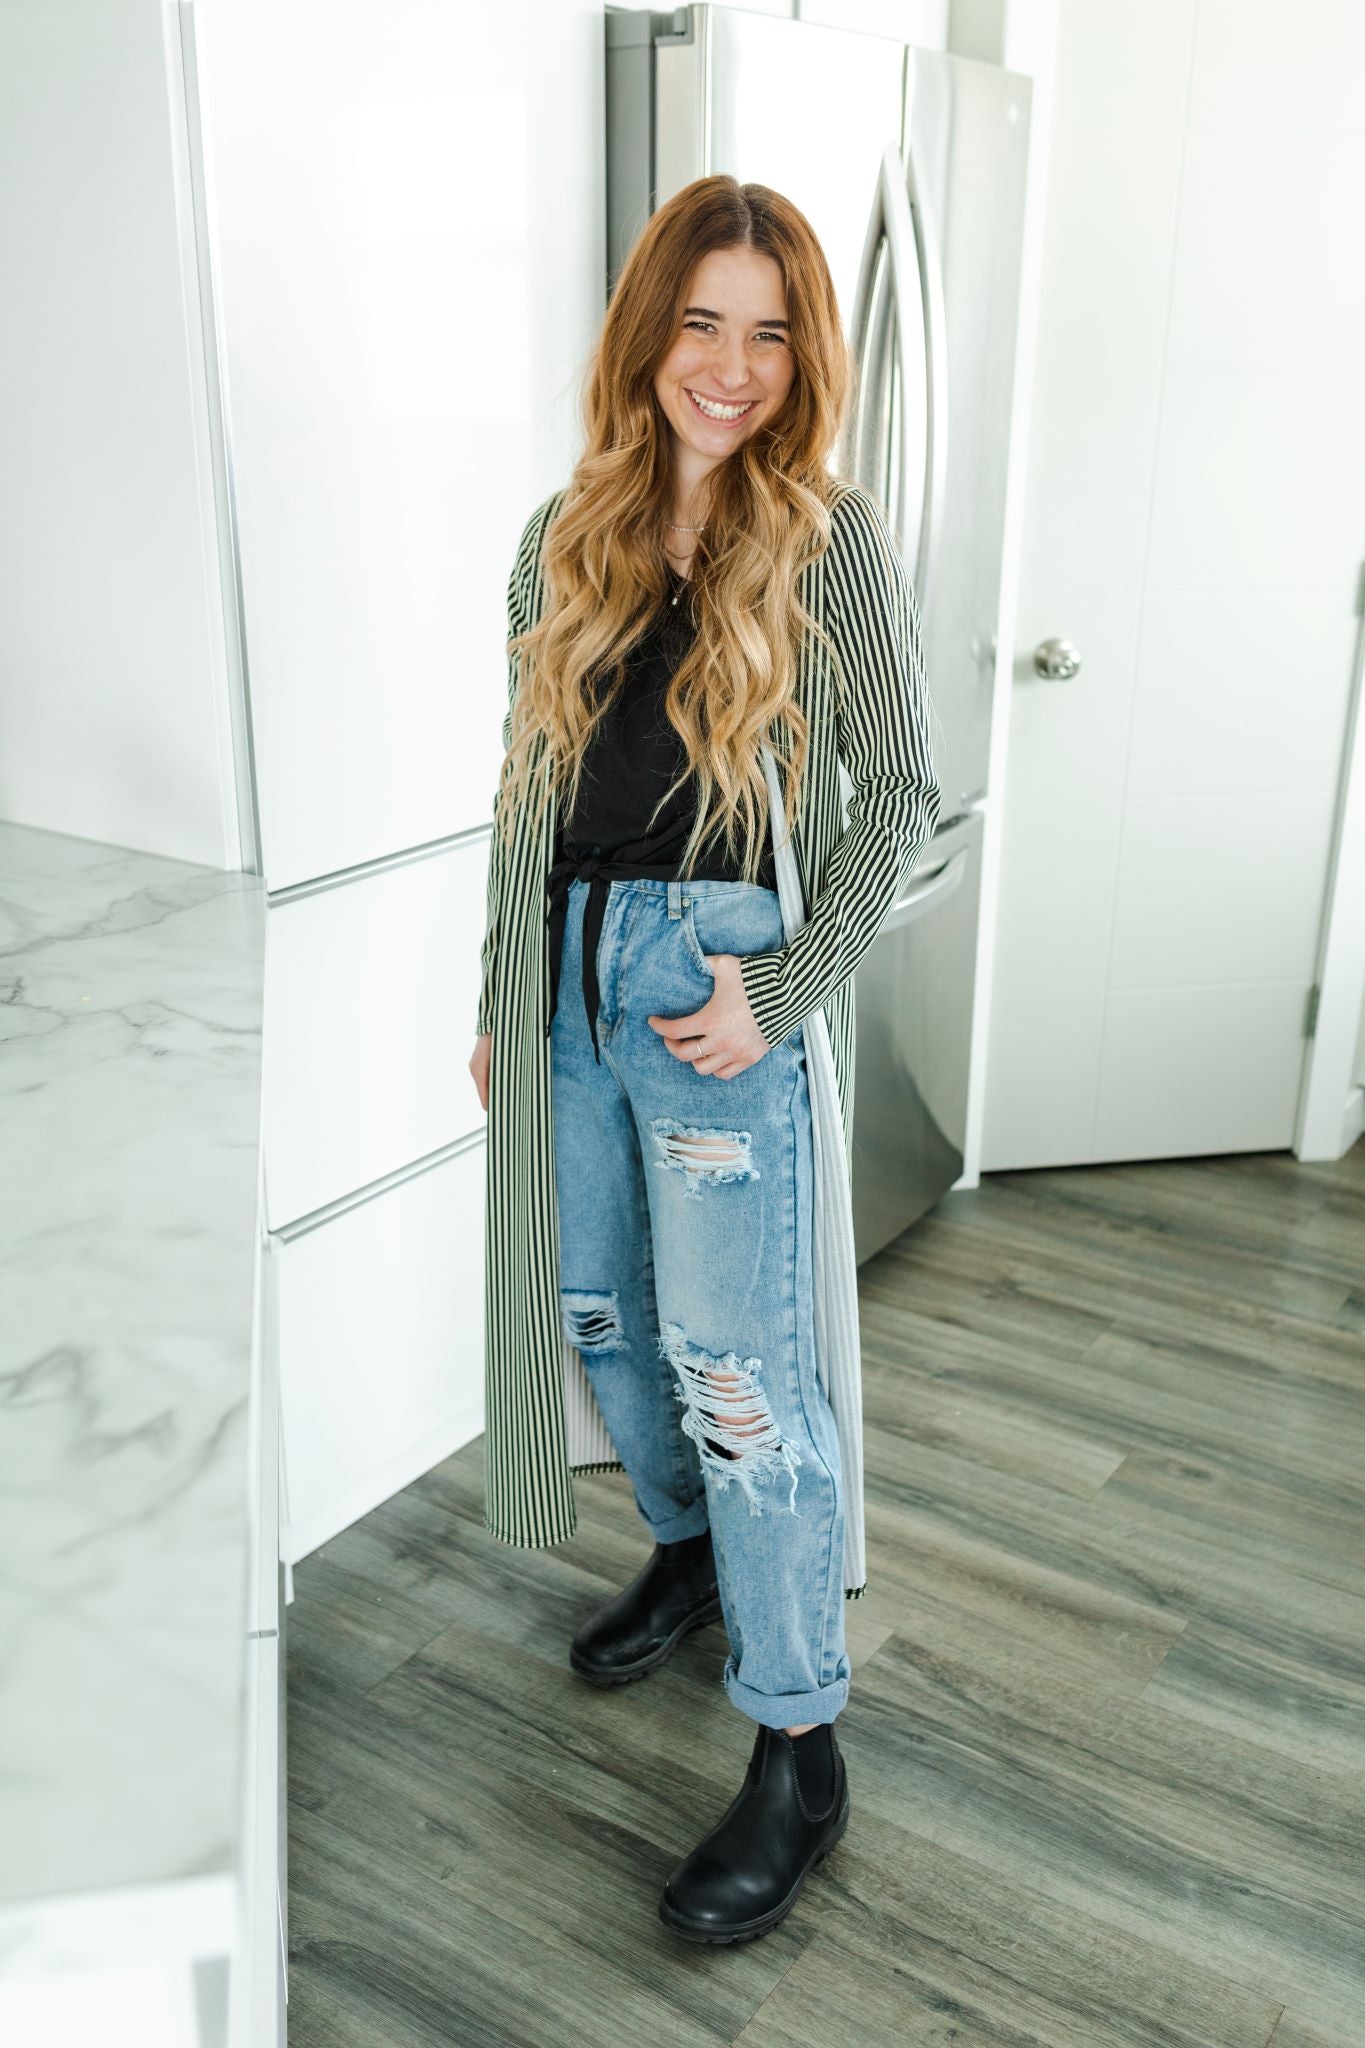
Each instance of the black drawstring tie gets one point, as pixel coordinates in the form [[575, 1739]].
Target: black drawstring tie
[[582, 868], [594, 868]]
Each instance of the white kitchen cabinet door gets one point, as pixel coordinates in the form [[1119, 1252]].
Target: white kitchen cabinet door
[[371, 991], [380, 1333], [408, 254]]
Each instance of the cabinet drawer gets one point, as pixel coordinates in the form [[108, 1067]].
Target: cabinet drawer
[[380, 1320], [371, 991]]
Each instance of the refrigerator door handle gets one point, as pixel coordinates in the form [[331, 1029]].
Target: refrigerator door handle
[[890, 225], [930, 267], [865, 454], [875, 463], [928, 893]]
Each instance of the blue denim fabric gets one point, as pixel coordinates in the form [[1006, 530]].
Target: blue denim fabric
[[685, 1214]]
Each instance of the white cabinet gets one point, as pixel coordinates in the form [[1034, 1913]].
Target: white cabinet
[[380, 1330], [371, 992], [403, 247], [256, 2009], [375, 239], [257, 1994]]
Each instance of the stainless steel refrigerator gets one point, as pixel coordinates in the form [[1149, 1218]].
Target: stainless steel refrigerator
[[910, 166]]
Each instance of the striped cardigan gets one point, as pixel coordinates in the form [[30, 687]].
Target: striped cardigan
[[837, 880]]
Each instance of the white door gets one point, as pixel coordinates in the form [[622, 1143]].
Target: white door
[[1194, 525]]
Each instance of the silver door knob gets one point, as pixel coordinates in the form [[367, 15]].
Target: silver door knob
[[1058, 660]]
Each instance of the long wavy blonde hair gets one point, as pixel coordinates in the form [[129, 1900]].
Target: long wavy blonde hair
[[767, 516]]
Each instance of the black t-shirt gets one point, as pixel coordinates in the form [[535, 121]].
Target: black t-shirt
[[635, 752]]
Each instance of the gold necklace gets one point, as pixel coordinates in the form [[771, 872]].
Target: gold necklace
[[674, 527]]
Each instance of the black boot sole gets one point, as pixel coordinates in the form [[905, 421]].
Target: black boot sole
[[749, 1930], [622, 1674]]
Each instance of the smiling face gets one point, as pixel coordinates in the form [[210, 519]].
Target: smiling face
[[731, 365]]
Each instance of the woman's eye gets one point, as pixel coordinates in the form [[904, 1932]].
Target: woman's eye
[[765, 333]]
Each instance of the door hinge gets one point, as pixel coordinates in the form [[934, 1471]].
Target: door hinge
[[1310, 1015]]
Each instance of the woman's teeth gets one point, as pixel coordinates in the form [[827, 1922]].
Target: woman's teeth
[[711, 411]]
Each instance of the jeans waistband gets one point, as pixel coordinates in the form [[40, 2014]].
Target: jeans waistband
[[599, 872]]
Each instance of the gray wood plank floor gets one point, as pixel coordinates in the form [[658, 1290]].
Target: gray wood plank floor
[[1107, 1721]]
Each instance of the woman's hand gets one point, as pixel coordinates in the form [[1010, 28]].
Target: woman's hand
[[724, 1022], [478, 1067]]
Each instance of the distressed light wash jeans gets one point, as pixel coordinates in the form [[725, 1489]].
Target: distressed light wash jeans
[[685, 1213]]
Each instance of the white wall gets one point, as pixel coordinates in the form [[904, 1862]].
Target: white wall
[[114, 714]]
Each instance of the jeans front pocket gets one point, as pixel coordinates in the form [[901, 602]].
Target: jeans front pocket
[[693, 944], [731, 917]]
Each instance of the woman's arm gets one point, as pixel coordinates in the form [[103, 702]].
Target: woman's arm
[[519, 587], [883, 741]]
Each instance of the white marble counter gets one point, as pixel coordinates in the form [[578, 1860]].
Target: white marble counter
[[130, 1069]]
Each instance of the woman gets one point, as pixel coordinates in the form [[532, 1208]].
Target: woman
[[670, 934]]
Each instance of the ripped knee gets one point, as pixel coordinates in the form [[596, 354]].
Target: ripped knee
[[702, 1155], [726, 1414], [592, 1321]]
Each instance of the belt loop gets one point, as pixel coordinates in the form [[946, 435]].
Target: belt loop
[[675, 899]]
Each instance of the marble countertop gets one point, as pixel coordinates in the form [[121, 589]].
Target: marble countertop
[[131, 992]]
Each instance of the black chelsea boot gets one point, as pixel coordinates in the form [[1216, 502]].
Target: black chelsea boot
[[745, 1876], [675, 1592]]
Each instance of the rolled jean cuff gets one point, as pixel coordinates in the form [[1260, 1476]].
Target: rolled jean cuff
[[787, 1709], [690, 1522]]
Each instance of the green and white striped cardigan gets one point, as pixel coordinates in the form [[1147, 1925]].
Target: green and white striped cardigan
[[837, 880]]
